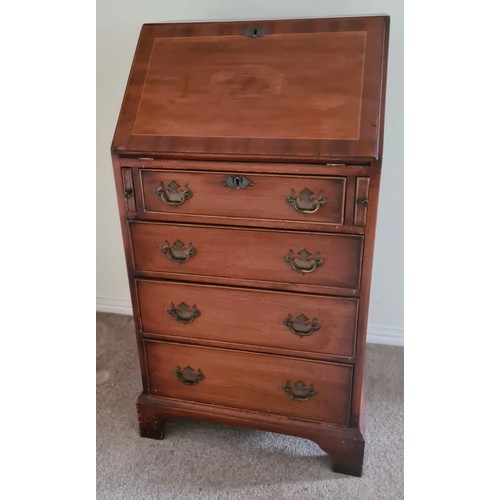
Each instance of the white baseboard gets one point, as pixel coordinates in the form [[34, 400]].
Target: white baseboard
[[376, 334], [117, 306], [385, 335]]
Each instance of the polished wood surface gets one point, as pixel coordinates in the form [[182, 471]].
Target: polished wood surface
[[342, 167], [274, 86], [344, 444], [253, 381], [250, 317], [249, 254], [264, 198], [307, 87], [226, 329]]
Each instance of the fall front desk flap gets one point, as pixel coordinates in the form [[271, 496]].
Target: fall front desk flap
[[308, 89]]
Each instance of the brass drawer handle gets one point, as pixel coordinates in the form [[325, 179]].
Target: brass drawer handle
[[299, 391], [183, 313], [188, 376], [237, 182], [178, 252], [174, 195], [300, 325], [306, 202], [305, 262], [363, 203]]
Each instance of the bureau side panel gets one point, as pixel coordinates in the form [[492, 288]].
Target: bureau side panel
[[357, 409], [124, 194], [366, 275]]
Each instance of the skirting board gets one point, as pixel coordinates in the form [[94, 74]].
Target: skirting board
[[376, 334]]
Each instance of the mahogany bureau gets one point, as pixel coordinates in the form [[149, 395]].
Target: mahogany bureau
[[247, 159]]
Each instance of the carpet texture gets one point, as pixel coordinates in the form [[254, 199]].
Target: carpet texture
[[201, 460]]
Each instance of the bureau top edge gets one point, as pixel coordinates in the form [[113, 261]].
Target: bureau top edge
[[244, 23], [217, 157], [333, 168]]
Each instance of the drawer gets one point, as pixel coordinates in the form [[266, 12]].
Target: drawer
[[263, 255], [308, 324], [244, 196], [311, 390]]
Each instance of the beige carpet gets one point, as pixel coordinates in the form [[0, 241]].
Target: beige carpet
[[200, 460]]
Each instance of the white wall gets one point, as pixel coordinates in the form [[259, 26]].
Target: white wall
[[118, 26]]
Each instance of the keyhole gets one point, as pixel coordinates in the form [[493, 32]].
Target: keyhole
[[237, 181]]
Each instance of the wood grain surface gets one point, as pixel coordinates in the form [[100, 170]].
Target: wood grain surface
[[249, 254], [250, 317], [305, 88], [254, 381], [265, 198]]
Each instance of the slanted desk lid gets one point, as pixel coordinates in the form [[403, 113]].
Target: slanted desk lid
[[310, 89]]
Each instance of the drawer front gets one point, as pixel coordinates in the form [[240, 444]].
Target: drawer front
[[306, 323], [262, 255], [248, 196], [311, 390]]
